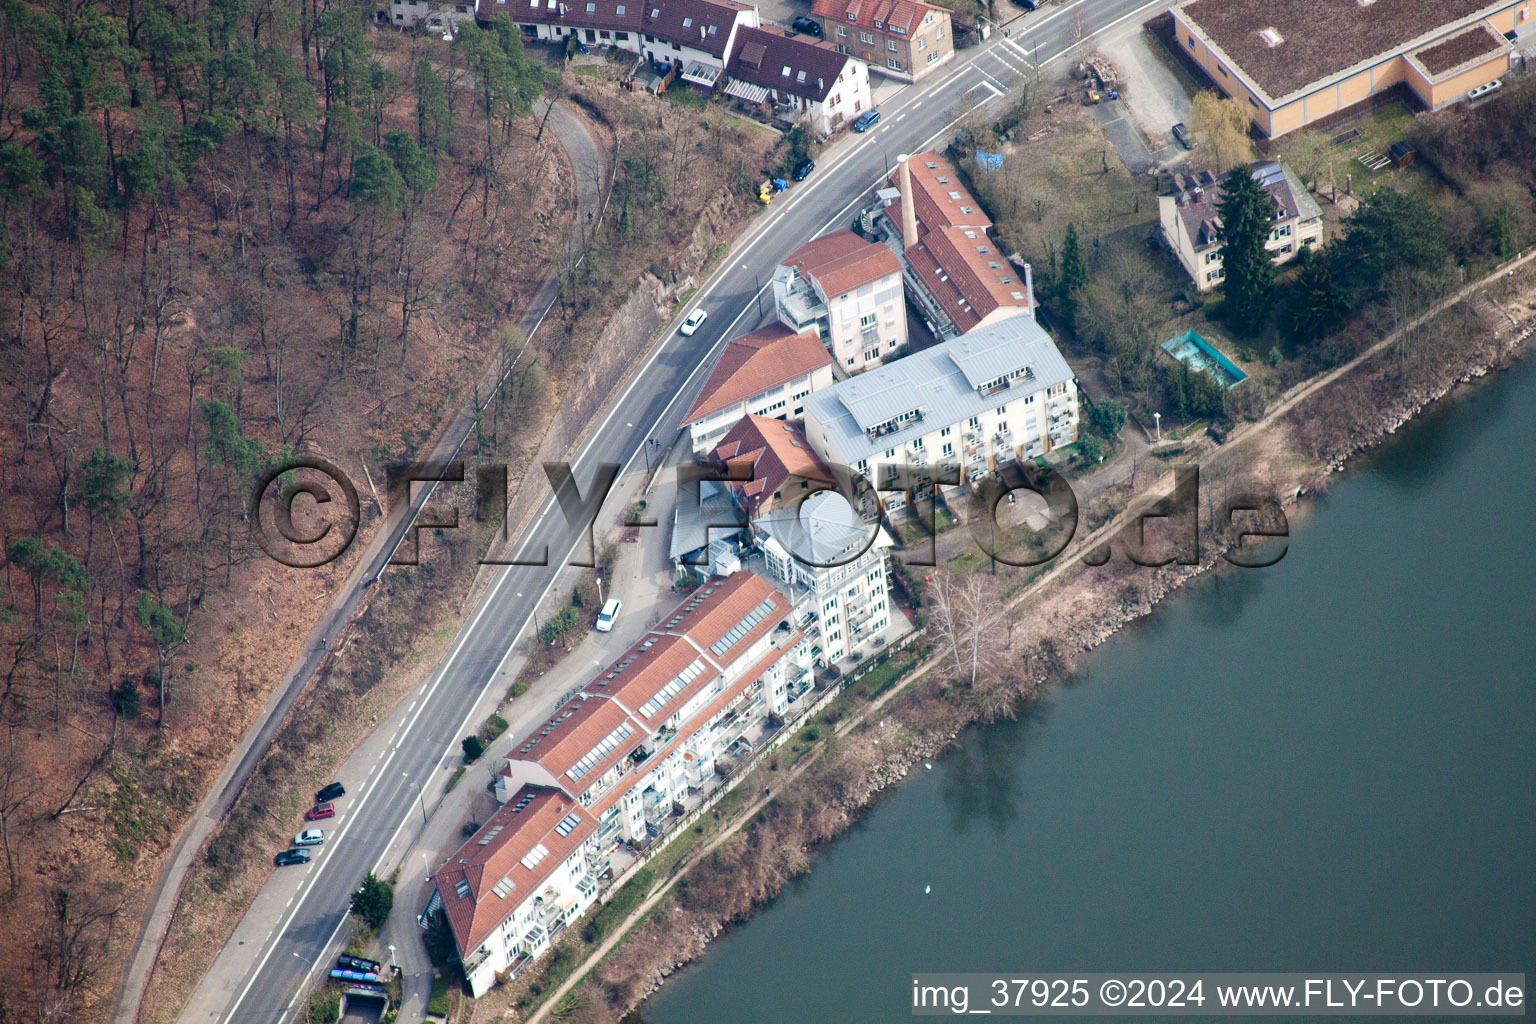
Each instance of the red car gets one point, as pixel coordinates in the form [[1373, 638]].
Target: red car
[[319, 811]]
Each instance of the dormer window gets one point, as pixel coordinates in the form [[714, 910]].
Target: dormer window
[[712, 30], [786, 70], [591, 8], [879, 25], [852, 16]]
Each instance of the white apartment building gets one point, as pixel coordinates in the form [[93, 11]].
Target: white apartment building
[[1191, 220], [435, 15], [800, 77], [766, 373], [849, 292], [1000, 393], [833, 564], [614, 763]]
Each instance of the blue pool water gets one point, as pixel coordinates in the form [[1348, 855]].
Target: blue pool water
[[1190, 348]]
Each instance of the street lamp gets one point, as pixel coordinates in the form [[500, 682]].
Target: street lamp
[[647, 447], [1157, 419], [391, 954], [757, 285], [535, 612], [306, 959], [420, 799]]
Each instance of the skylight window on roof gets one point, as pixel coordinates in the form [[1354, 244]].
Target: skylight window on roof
[[597, 753], [568, 824], [943, 180], [504, 888], [930, 165], [674, 685], [983, 249], [712, 29], [655, 12], [742, 628], [492, 834], [800, 76], [591, 8], [1017, 295], [786, 70], [954, 195], [462, 888], [522, 803], [687, 23], [535, 855], [619, 10]]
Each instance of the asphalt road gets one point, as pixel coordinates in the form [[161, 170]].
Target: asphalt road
[[649, 406]]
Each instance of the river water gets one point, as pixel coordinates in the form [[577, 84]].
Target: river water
[[1327, 765]]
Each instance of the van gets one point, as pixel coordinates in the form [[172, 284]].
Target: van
[[609, 613]]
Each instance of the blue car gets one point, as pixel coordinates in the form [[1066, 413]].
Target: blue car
[[866, 121]]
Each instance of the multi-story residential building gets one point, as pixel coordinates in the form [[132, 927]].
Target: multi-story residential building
[[766, 373], [529, 871], [698, 34], [953, 269], [848, 291], [1191, 221], [833, 564], [435, 15], [613, 764], [1000, 393], [905, 39], [800, 77], [1290, 64], [776, 460]]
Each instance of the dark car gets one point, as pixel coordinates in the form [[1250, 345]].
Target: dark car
[[288, 857], [803, 169], [810, 26], [357, 963], [330, 793], [866, 121], [1181, 135], [1028, 5]]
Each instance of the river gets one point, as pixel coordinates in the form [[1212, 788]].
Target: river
[[1327, 765]]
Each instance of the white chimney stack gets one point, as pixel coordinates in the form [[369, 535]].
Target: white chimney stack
[[908, 207]]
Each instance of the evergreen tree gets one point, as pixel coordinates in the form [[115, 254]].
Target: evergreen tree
[[1074, 273], [1315, 306], [1247, 216]]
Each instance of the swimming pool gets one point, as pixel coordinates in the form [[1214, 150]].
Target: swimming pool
[[1190, 348]]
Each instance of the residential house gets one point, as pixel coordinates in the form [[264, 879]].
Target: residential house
[[766, 373], [849, 292], [697, 34], [779, 465], [833, 564], [526, 874], [433, 15], [614, 763], [799, 77], [998, 394], [905, 39], [1290, 64], [1191, 221], [954, 271]]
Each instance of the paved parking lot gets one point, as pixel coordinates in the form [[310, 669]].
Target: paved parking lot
[[1154, 100]]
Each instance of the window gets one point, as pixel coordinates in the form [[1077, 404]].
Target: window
[[879, 25], [994, 265], [890, 44], [973, 422], [966, 210], [619, 10], [1002, 411], [1018, 296], [1222, 70], [655, 12], [800, 77], [867, 38], [1005, 280], [949, 449], [953, 195], [591, 8], [944, 432], [933, 56], [711, 30], [942, 180], [842, 32], [983, 249], [786, 70], [939, 34], [1191, 42], [922, 44], [852, 16], [687, 23]]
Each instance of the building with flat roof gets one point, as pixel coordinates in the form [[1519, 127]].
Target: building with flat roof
[[765, 373], [1292, 63], [1001, 393], [848, 291], [1191, 220], [953, 269]]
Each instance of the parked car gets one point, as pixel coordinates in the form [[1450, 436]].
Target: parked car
[[288, 857], [330, 793], [309, 837], [866, 121], [1181, 135], [610, 612], [357, 963], [803, 169], [1028, 5], [315, 813], [695, 319], [810, 26]]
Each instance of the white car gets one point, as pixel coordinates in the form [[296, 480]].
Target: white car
[[610, 612], [695, 319]]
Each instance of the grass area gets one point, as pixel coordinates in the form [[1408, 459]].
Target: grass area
[[886, 674], [453, 780], [437, 1003], [589, 70]]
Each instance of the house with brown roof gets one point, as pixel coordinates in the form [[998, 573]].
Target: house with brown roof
[[695, 34], [614, 763], [766, 373], [953, 269], [1191, 221], [1290, 64], [905, 39], [433, 15], [770, 464], [848, 291], [797, 77], [525, 875]]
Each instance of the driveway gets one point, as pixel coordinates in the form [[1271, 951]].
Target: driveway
[[1155, 98]]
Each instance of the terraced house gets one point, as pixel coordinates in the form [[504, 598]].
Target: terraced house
[[616, 765], [1293, 63], [905, 39]]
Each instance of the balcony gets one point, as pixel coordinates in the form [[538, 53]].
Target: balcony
[[803, 309]]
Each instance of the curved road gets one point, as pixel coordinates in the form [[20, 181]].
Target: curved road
[[650, 405]]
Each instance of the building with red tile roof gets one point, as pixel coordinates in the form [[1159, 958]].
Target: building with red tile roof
[[611, 765], [905, 39], [955, 271], [848, 290], [774, 456], [765, 373]]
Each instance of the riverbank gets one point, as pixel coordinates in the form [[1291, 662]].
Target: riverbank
[[1309, 434]]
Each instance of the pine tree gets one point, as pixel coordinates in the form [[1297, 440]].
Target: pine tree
[[1247, 216], [1074, 273]]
